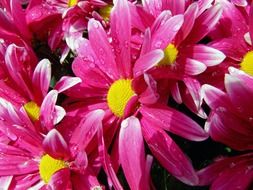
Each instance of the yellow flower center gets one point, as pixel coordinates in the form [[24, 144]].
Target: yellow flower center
[[48, 166], [32, 110], [247, 63], [118, 95], [170, 55], [105, 12], [72, 3]]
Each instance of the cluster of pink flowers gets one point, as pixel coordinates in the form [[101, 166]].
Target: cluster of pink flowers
[[85, 84]]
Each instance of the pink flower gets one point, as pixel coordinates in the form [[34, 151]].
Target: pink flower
[[233, 36], [62, 20], [230, 122], [24, 84], [185, 58], [118, 85], [33, 160]]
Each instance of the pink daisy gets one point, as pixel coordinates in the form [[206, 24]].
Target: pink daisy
[[233, 36], [112, 82], [24, 85], [184, 57], [230, 122], [33, 160]]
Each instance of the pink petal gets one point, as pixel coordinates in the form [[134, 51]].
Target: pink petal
[[121, 33], [193, 67], [225, 127], [204, 23], [138, 12], [89, 73], [100, 44], [13, 96], [150, 95], [166, 32], [60, 180], [175, 92], [58, 114], [18, 15], [212, 172], [66, 82], [41, 77], [86, 180], [239, 176], [147, 61], [242, 3], [169, 154], [14, 58], [47, 110], [162, 18], [207, 55], [175, 6], [146, 45], [240, 94], [251, 22], [193, 87], [5, 182], [106, 162], [174, 121], [214, 97], [131, 153], [7, 29], [87, 129], [189, 19], [55, 145]]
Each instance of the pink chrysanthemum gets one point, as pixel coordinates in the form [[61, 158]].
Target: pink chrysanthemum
[[185, 58], [24, 84], [111, 81], [231, 122], [233, 36], [33, 160]]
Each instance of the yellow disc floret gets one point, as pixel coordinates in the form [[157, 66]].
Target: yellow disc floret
[[247, 63], [105, 12], [32, 110], [48, 166], [72, 3], [170, 55], [118, 95]]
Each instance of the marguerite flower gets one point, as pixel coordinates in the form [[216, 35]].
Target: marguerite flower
[[113, 82], [33, 160], [230, 122], [184, 57]]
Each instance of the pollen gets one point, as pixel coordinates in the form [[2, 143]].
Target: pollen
[[247, 63], [170, 55], [32, 110], [118, 96], [72, 3], [48, 166], [105, 12]]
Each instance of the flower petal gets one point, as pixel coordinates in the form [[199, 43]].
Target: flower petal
[[99, 42], [131, 153], [41, 77], [87, 129], [55, 145], [121, 33], [204, 54], [147, 61], [169, 154], [47, 110], [60, 180], [160, 116], [204, 23], [166, 32], [66, 82]]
